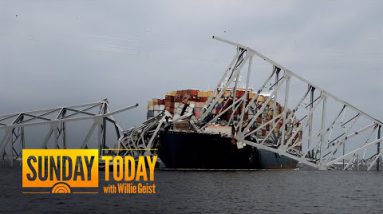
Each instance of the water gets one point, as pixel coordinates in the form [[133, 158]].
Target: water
[[216, 192]]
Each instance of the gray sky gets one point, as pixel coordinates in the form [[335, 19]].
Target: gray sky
[[56, 53]]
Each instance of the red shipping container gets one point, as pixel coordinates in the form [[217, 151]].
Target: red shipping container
[[169, 104], [194, 98], [194, 92], [169, 98], [178, 98], [161, 102], [239, 93], [203, 99]]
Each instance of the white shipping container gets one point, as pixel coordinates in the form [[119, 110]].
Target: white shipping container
[[217, 129], [159, 107]]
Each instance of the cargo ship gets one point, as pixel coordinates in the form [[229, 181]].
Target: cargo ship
[[181, 147]]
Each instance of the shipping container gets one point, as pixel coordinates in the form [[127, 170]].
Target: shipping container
[[150, 114]]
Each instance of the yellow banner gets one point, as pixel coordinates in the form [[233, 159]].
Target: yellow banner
[[66, 167]]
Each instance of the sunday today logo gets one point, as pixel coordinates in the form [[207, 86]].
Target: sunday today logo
[[77, 171]]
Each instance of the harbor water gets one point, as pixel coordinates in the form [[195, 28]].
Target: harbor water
[[279, 191]]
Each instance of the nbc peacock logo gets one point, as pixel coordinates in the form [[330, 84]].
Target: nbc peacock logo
[[61, 188], [60, 171]]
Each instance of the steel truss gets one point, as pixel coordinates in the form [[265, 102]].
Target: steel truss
[[12, 127], [315, 127], [142, 140]]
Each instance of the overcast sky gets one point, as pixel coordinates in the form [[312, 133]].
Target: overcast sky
[[55, 53]]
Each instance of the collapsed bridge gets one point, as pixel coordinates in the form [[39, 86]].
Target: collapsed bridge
[[313, 127]]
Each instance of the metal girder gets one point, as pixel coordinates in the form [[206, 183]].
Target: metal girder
[[12, 127], [310, 130], [143, 140]]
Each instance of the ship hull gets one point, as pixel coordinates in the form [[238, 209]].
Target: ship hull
[[189, 150]]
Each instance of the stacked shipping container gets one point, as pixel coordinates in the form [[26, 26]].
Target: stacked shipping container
[[176, 102]]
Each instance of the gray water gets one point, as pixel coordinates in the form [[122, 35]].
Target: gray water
[[216, 192]]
